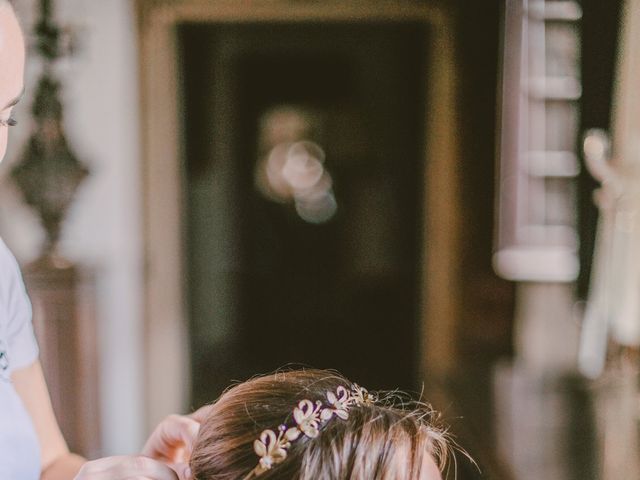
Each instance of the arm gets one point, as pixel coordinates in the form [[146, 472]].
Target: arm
[[57, 463], [60, 464], [56, 460]]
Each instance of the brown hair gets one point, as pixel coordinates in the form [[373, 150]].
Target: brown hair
[[389, 440]]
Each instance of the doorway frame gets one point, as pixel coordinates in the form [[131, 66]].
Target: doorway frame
[[166, 353]]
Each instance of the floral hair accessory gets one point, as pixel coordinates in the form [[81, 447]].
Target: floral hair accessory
[[309, 418]]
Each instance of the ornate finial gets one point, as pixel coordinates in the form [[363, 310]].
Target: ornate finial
[[48, 173]]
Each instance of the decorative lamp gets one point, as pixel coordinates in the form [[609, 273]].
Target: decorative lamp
[[48, 173]]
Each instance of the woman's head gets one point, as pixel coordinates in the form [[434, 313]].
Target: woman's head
[[12, 54], [382, 440]]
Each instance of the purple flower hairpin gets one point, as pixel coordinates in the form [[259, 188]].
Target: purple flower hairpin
[[272, 446]]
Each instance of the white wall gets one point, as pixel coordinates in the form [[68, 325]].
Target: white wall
[[104, 228]]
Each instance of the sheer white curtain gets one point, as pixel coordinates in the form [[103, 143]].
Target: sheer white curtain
[[613, 308]]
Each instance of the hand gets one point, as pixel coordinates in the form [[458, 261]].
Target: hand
[[172, 440], [126, 468], [165, 456]]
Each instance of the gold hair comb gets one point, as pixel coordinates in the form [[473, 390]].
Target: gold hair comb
[[309, 418]]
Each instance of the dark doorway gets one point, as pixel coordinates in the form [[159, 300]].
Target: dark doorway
[[271, 279]]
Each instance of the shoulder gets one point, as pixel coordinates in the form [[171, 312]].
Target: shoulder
[[15, 313], [9, 269], [4, 251], [11, 283]]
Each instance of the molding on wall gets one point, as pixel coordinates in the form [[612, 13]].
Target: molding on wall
[[442, 209]]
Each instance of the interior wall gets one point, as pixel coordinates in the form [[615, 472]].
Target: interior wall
[[103, 228]]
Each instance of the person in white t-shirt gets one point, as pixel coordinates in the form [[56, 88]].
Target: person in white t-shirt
[[31, 444]]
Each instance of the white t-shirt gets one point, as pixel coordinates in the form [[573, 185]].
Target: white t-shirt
[[19, 449]]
